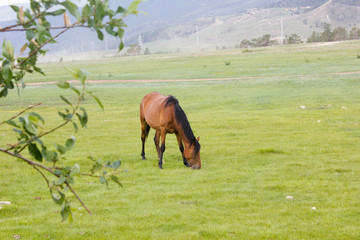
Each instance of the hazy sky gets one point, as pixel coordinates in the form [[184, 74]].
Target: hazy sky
[[9, 2]]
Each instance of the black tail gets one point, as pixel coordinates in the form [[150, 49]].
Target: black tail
[[147, 131]]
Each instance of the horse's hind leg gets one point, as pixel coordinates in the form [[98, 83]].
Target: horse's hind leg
[[145, 128], [156, 141], [162, 148]]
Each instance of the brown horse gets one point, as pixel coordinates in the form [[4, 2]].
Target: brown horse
[[164, 115]]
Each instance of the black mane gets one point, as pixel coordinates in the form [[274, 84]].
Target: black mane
[[181, 118]]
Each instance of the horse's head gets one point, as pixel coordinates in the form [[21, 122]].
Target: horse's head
[[192, 154]]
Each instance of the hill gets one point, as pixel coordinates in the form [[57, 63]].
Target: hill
[[208, 24]]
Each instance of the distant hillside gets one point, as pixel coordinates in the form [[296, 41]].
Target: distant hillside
[[228, 31], [193, 25], [312, 3]]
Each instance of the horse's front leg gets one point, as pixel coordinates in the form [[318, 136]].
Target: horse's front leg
[[162, 148], [181, 147]]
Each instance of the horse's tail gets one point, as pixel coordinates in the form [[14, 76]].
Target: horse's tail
[[147, 130]]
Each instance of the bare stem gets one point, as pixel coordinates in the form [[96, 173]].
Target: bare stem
[[78, 198]]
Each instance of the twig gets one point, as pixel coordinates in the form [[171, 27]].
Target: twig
[[42, 174], [41, 135], [49, 28], [37, 165], [42, 45], [78, 198], [30, 107], [27, 161]]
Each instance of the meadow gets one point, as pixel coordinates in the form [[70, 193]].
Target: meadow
[[286, 125]]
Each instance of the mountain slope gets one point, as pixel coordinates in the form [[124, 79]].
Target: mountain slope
[[176, 25]]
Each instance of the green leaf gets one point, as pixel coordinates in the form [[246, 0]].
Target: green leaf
[[15, 8], [35, 152], [75, 90], [72, 8], [30, 34], [57, 12], [66, 117], [83, 118], [65, 100], [80, 74], [29, 125], [66, 212], [86, 11], [8, 50], [103, 180], [63, 84], [97, 100], [3, 92], [7, 75], [116, 180], [83, 75], [121, 46], [97, 166], [116, 164], [61, 180], [50, 156], [39, 117], [58, 199], [74, 170], [75, 127], [12, 123], [39, 70], [100, 34], [110, 30], [70, 143], [60, 148], [121, 33], [132, 9], [120, 10]]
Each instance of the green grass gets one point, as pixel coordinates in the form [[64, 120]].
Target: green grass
[[258, 147], [273, 62]]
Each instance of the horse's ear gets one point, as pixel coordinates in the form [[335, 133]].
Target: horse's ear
[[198, 139]]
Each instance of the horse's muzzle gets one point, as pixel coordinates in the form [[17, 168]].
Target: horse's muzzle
[[196, 167]]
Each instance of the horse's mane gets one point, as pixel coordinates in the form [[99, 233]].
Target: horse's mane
[[181, 118]]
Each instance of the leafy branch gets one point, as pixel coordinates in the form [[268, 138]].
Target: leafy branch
[[30, 132], [95, 15], [29, 126]]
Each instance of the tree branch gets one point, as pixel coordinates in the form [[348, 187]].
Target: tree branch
[[42, 45]]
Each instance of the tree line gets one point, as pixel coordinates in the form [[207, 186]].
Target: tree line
[[328, 35], [337, 34]]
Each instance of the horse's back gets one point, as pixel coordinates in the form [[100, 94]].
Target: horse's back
[[151, 109]]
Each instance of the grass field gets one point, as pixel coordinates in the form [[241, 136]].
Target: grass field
[[258, 147]]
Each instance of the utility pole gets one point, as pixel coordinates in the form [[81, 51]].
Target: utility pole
[[140, 40], [106, 42], [282, 30], [197, 36]]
